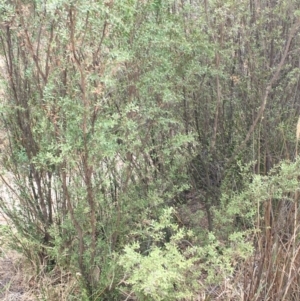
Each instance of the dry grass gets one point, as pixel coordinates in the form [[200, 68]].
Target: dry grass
[[19, 281], [273, 272], [13, 282]]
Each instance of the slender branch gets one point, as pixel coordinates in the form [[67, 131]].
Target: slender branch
[[214, 138], [267, 91]]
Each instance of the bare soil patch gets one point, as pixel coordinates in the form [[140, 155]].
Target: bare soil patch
[[13, 284]]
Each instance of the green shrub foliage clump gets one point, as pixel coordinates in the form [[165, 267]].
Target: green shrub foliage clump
[[118, 116]]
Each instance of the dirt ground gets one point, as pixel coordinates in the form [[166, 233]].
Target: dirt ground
[[13, 286]]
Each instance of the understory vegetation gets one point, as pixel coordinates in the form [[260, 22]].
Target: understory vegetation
[[150, 147]]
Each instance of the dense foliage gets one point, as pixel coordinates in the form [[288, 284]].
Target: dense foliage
[[133, 130]]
